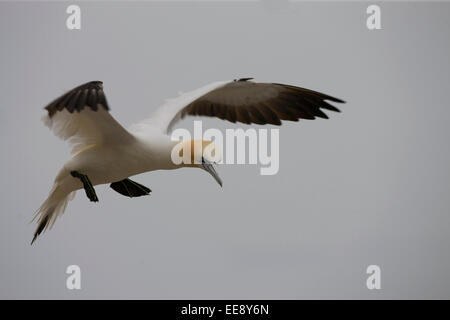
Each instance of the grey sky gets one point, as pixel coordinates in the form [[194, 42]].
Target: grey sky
[[368, 186]]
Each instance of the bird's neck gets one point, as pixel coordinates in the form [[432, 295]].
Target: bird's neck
[[163, 153]]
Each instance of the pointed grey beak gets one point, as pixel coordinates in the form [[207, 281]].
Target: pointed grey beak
[[208, 166]]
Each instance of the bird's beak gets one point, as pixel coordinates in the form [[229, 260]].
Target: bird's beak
[[209, 166]]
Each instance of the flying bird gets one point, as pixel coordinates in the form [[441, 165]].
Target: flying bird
[[104, 152]]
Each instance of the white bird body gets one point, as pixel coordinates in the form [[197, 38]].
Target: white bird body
[[106, 163], [104, 152]]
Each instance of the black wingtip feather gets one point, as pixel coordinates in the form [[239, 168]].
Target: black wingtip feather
[[335, 99], [40, 228], [242, 79], [87, 94]]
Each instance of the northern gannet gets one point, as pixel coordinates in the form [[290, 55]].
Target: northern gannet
[[105, 152]]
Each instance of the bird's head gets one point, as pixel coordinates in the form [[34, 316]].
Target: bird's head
[[202, 154]]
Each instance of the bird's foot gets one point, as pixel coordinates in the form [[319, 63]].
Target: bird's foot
[[130, 188], [87, 185]]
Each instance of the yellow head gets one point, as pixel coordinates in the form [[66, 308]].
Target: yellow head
[[197, 153], [192, 153]]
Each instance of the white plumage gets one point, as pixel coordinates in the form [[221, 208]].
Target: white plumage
[[105, 152]]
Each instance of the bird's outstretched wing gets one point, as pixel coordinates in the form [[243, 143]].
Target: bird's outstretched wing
[[244, 101], [81, 116]]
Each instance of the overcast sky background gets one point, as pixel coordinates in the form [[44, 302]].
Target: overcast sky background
[[369, 186]]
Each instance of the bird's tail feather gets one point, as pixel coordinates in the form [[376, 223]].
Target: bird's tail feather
[[52, 207]]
